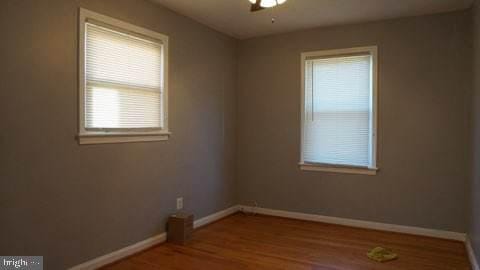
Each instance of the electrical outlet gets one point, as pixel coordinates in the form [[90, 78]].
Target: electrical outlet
[[180, 203]]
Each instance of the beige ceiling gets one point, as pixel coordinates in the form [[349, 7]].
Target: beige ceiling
[[233, 17]]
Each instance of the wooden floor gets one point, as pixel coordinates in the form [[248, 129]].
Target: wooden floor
[[263, 242]]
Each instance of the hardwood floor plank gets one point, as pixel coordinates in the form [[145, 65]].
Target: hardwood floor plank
[[272, 243]]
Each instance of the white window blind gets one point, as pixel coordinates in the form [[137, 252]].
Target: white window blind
[[124, 83], [338, 114]]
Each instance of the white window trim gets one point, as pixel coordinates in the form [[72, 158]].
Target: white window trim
[[337, 169], [373, 51], [123, 136]]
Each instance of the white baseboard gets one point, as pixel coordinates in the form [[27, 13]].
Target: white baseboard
[[121, 253], [216, 216], [359, 223], [471, 255], [145, 244]]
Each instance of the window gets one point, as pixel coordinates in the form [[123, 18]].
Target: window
[[339, 110], [123, 81]]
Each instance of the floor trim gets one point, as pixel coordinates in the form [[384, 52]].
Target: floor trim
[[471, 255], [121, 253], [359, 223], [215, 216], [145, 244]]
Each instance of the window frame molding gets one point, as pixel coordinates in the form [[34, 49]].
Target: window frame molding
[[332, 168], [102, 136]]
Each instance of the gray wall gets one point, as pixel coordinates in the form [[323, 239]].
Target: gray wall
[[71, 203], [474, 232], [424, 88]]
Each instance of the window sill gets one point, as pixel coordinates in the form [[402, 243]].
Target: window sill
[[333, 169], [109, 138]]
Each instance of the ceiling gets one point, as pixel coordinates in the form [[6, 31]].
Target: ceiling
[[233, 17]]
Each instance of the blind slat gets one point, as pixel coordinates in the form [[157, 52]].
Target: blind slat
[[338, 111]]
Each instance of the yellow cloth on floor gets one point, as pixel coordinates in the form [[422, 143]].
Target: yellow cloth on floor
[[380, 254]]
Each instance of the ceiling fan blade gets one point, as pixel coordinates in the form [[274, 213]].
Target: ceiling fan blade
[[256, 6]]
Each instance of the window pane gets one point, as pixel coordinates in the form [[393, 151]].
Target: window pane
[[122, 108], [123, 80], [120, 58], [338, 111]]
